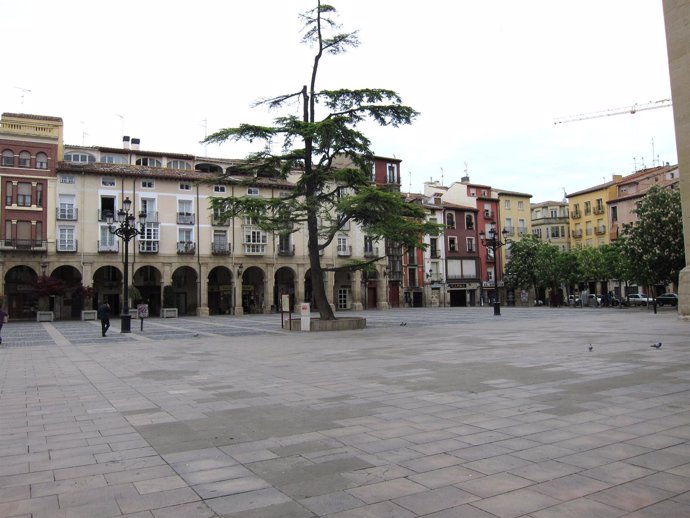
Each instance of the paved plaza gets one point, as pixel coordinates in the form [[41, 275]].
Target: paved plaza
[[448, 412]]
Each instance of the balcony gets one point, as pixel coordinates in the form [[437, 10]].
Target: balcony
[[371, 252], [108, 247], [254, 249], [509, 231], [31, 245], [488, 213], [185, 218], [148, 247], [344, 251], [435, 253], [522, 231], [63, 246], [577, 233], [218, 221], [576, 214], [220, 248], [186, 247], [598, 210], [66, 213], [152, 217], [287, 251], [600, 230]]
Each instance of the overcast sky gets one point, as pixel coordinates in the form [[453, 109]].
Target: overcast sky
[[489, 79]]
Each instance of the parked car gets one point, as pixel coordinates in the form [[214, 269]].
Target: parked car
[[593, 300], [574, 301], [638, 299], [667, 298]]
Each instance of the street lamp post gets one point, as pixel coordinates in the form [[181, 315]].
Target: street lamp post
[[494, 242], [123, 226]]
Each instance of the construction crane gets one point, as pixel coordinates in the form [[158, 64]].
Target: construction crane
[[653, 105]]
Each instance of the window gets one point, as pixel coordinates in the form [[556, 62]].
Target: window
[[148, 205], [252, 191], [521, 205], [588, 208], [450, 220], [392, 173], [39, 195], [24, 159], [149, 162], [148, 241], [24, 194], [147, 184], [220, 241], [67, 178], [41, 161], [107, 242], [66, 241], [254, 240], [412, 277], [614, 214], [554, 213], [555, 232], [412, 255], [506, 204], [470, 244], [473, 192], [185, 235], [108, 181], [185, 216], [8, 193], [469, 221], [219, 189], [452, 244], [368, 245], [343, 248], [8, 158], [185, 186], [522, 226], [508, 224], [433, 248], [285, 243], [178, 164], [114, 159], [79, 158], [66, 209]]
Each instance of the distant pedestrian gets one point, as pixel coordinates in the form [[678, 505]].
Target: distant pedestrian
[[4, 317], [104, 317]]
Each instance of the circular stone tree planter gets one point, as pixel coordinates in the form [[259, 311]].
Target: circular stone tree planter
[[339, 324]]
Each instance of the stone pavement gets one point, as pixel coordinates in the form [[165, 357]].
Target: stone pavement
[[456, 414]]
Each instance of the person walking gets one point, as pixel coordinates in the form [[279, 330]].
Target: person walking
[[104, 317], [4, 317]]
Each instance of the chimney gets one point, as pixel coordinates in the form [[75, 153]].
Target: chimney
[[125, 142], [135, 144]]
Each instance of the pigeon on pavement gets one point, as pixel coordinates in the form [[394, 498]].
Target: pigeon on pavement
[[656, 345], [590, 347]]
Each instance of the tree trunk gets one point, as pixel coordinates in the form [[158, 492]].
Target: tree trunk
[[318, 286]]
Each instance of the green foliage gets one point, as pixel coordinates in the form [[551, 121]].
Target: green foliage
[[521, 271], [333, 158], [654, 243]]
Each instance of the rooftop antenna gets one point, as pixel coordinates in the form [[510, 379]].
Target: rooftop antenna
[[653, 154], [442, 176], [635, 162], [24, 91], [409, 190], [204, 123], [122, 117], [83, 132]]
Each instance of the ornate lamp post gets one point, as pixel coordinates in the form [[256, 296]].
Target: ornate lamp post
[[494, 242], [123, 226]]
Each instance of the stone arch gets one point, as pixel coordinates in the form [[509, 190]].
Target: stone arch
[[107, 286], [184, 282], [20, 297], [284, 284], [147, 280], [70, 303], [253, 294], [220, 291]]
